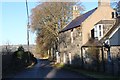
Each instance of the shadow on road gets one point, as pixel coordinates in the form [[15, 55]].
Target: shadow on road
[[44, 70]]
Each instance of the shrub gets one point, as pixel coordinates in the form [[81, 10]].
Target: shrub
[[20, 57]]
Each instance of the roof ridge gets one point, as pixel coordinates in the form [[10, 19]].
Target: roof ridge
[[87, 12]]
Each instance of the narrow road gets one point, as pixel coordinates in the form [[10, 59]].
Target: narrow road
[[43, 69]]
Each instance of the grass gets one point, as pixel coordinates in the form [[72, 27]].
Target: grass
[[96, 75]]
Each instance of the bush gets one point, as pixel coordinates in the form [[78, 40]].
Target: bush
[[22, 58], [17, 61]]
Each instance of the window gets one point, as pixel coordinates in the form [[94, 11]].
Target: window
[[71, 36], [95, 32], [92, 33], [114, 14], [100, 30]]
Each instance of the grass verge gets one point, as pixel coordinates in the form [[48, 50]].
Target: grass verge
[[92, 74]]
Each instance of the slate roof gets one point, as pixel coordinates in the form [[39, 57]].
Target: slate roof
[[106, 22], [77, 21], [92, 43], [112, 29]]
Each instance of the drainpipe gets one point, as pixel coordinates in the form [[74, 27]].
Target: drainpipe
[[109, 56]]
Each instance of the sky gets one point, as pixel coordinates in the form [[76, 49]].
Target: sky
[[13, 22]]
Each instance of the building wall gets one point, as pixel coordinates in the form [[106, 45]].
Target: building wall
[[82, 35], [106, 28], [114, 51], [68, 47], [102, 13]]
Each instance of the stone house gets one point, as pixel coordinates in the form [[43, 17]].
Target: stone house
[[112, 38], [94, 24]]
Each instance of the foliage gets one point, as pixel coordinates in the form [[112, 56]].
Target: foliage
[[47, 20], [21, 48], [22, 58], [16, 61]]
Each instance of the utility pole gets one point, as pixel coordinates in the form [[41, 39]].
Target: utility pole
[[28, 26]]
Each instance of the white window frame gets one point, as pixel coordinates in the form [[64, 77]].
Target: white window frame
[[95, 32], [98, 31], [114, 14]]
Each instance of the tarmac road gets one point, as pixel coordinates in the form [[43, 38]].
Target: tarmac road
[[44, 70]]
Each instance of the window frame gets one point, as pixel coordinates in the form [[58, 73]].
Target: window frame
[[98, 31]]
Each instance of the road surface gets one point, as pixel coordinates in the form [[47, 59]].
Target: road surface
[[43, 69]]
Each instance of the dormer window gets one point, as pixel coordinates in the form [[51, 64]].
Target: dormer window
[[114, 14], [98, 31]]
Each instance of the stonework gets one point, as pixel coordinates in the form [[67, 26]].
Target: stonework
[[114, 51], [67, 47], [72, 40]]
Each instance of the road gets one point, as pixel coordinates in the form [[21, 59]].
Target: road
[[43, 69]]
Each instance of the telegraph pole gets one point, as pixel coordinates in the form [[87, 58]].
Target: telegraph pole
[[28, 26]]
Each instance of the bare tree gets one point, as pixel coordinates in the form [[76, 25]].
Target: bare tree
[[48, 19]]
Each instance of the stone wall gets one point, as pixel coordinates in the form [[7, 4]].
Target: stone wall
[[106, 28], [69, 48], [114, 51]]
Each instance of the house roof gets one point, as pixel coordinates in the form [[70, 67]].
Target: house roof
[[106, 22], [112, 29], [93, 43], [78, 21]]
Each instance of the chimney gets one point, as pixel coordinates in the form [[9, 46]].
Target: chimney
[[76, 12], [103, 3]]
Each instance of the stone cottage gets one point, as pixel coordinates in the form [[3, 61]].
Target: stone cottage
[[93, 24]]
